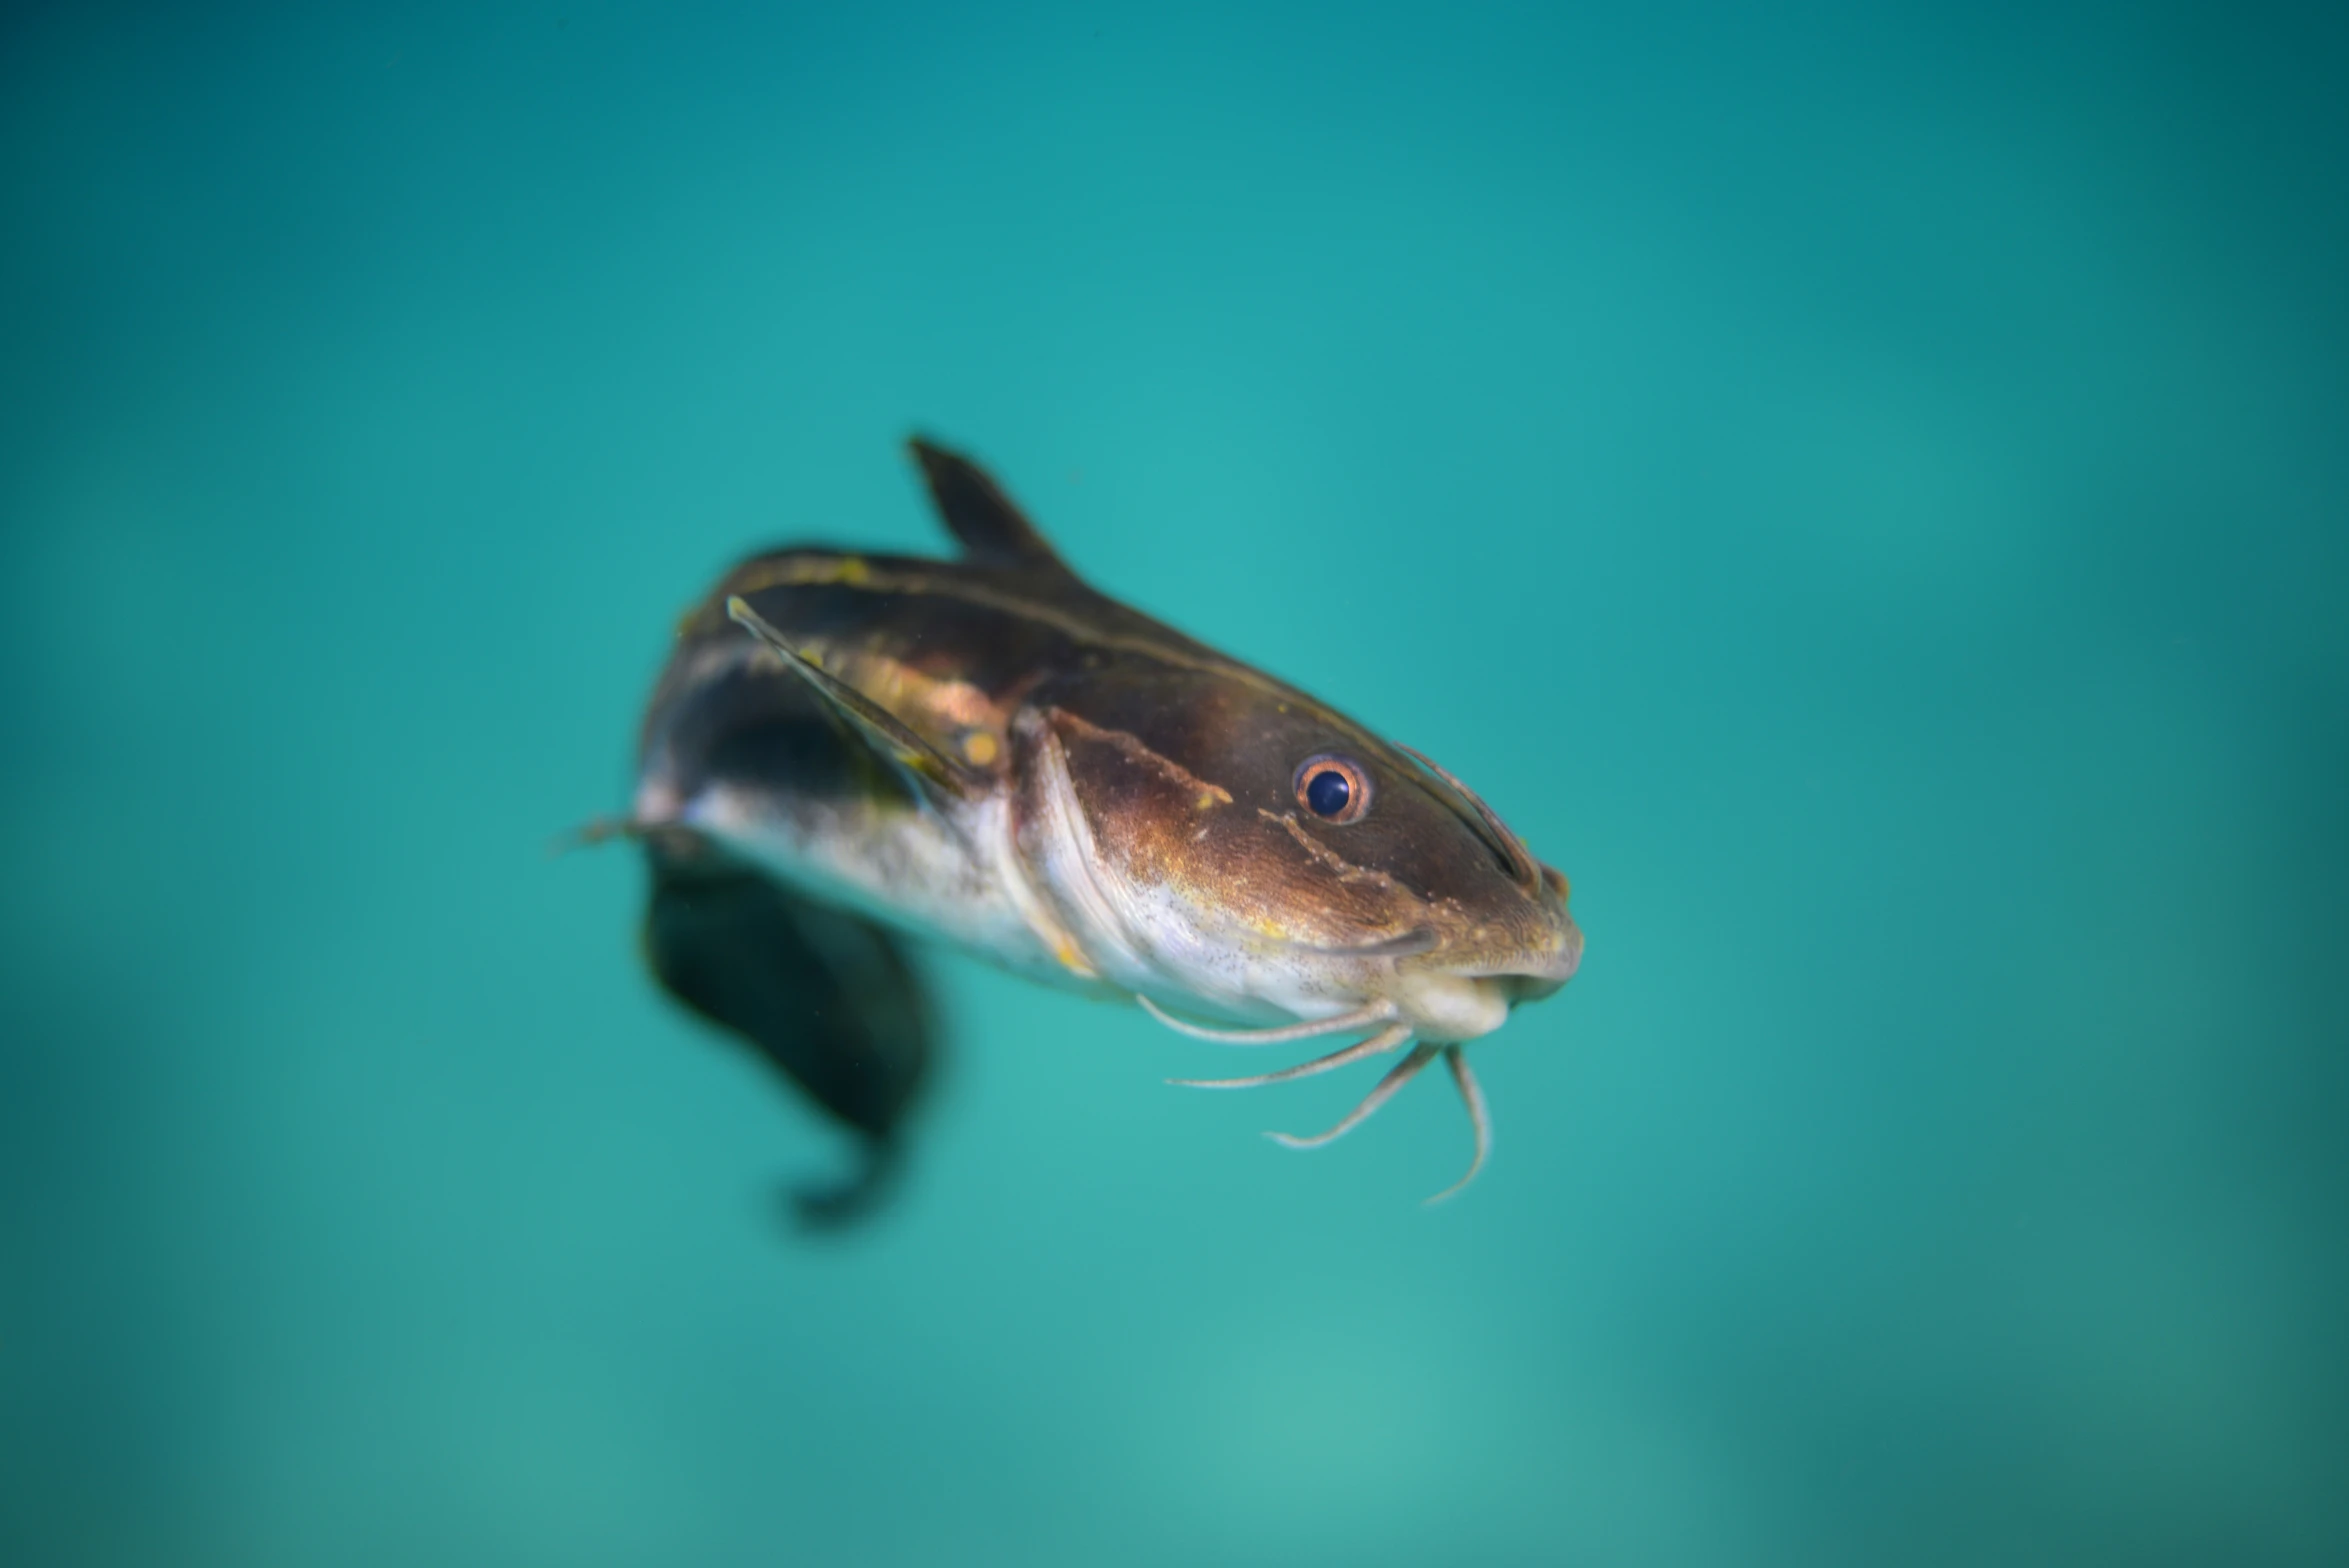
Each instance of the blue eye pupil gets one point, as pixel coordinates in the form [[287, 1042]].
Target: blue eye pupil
[[1327, 792]]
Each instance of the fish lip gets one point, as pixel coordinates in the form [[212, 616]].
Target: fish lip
[[1546, 967]]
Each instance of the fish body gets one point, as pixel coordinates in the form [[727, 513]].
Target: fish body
[[989, 751]]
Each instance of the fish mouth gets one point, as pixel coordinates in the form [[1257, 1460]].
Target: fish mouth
[[1530, 975]]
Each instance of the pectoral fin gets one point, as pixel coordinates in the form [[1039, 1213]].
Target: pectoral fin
[[826, 997], [935, 776], [977, 512]]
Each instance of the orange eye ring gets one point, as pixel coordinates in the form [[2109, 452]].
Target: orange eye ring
[[1335, 789]]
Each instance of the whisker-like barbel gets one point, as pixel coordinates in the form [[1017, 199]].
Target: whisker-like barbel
[[595, 831], [1377, 1012], [1397, 1076], [1472, 1096], [605, 830], [1390, 1038]]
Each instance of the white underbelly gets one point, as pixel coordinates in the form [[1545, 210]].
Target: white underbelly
[[908, 869]]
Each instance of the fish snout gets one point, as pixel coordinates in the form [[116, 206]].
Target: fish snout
[[1542, 971], [1540, 968], [1566, 957]]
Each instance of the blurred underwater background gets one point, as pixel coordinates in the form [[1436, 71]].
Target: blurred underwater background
[[1864, 491]]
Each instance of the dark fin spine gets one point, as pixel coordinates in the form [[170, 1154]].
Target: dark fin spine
[[934, 775], [989, 526]]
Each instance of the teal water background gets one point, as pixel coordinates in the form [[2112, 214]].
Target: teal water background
[[1865, 491]]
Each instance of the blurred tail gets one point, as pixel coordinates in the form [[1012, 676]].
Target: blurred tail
[[828, 997]]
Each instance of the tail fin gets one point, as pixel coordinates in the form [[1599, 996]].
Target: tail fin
[[828, 997]]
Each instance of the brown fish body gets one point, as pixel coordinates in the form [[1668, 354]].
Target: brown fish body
[[990, 751]]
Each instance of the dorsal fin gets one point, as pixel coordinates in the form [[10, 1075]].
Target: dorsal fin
[[977, 512]]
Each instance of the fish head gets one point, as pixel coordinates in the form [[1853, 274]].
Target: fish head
[[1212, 837]]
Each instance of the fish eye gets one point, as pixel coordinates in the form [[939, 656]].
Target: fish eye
[[1334, 789]]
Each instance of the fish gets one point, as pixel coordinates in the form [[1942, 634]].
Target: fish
[[847, 752]]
